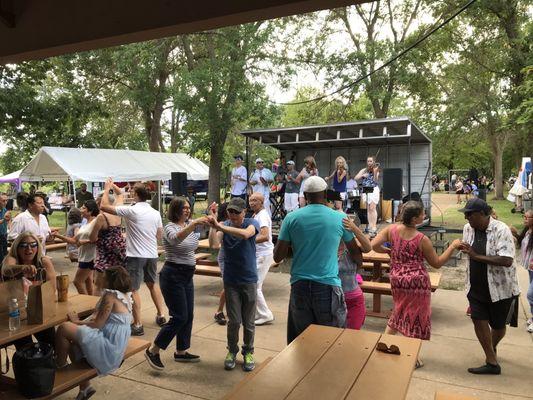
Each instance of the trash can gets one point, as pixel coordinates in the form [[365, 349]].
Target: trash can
[[483, 194]]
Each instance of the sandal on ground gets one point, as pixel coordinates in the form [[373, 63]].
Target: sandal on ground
[[419, 364], [487, 369]]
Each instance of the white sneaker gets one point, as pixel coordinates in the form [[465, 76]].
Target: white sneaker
[[529, 321], [530, 328], [263, 321]]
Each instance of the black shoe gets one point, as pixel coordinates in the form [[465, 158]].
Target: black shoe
[[137, 330], [487, 369], [187, 357], [220, 318], [154, 360]]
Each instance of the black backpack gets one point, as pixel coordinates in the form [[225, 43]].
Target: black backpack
[[35, 369]]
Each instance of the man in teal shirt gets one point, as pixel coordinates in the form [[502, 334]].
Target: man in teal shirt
[[314, 232]]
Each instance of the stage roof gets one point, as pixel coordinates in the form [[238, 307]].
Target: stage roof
[[376, 132], [33, 29], [96, 165]]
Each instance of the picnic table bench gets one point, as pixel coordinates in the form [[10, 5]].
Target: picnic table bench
[[71, 376], [333, 363], [384, 288]]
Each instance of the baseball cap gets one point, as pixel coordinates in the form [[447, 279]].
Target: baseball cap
[[258, 160], [236, 204], [239, 157], [290, 162], [315, 184], [476, 204]]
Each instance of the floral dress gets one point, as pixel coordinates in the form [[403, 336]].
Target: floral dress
[[110, 248], [411, 287]]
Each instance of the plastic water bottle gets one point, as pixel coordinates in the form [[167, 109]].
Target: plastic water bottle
[[14, 315]]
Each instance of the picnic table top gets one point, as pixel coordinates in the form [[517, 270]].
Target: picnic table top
[[81, 303], [338, 364]]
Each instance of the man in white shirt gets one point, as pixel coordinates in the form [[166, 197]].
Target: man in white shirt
[[32, 220], [238, 179], [264, 253], [261, 180], [143, 230]]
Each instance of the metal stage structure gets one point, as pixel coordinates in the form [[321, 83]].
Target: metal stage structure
[[399, 143]]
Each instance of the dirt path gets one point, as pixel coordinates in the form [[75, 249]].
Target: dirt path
[[441, 202]]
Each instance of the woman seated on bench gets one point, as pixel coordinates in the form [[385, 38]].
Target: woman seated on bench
[[102, 338], [25, 259], [409, 279]]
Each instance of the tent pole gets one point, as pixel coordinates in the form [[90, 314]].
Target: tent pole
[[409, 166], [74, 192], [159, 198]]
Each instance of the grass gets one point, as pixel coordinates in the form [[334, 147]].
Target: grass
[[455, 219]]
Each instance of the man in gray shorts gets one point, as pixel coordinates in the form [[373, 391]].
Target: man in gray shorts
[[144, 229]]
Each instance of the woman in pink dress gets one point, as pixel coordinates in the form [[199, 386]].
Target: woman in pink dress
[[410, 284]]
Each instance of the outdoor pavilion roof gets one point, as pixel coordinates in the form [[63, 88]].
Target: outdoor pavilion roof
[[376, 132]]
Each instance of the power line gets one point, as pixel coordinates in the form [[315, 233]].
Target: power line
[[386, 64]]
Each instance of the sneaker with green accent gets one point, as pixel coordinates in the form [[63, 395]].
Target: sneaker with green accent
[[229, 362], [249, 363]]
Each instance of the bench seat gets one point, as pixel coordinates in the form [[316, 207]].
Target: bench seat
[[71, 376], [56, 246], [207, 270], [385, 287]]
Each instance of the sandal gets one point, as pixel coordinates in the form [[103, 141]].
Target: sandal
[[419, 364]]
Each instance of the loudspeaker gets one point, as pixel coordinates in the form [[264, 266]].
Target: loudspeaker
[[179, 183], [392, 183]]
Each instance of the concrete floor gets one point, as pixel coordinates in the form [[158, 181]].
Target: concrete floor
[[453, 348]]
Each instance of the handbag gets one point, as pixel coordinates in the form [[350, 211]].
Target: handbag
[[35, 370]]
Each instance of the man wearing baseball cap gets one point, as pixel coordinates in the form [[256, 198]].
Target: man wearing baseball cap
[[237, 236], [261, 180], [239, 176], [314, 233], [491, 278]]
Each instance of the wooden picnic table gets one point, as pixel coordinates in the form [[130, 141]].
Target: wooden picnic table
[[204, 244], [81, 303], [333, 363]]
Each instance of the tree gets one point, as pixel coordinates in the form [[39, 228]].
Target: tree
[[220, 94]]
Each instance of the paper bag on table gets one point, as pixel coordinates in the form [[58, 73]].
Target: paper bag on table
[[12, 290], [41, 303]]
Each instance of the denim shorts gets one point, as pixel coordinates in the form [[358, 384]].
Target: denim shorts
[[141, 269]]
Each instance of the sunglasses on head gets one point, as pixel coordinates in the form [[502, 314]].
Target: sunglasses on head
[[25, 245], [231, 211]]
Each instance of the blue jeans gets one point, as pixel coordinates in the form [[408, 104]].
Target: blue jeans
[[3, 246], [530, 292], [314, 303], [178, 291]]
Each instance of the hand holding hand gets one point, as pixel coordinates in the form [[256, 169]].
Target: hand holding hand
[[213, 223], [201, 221], [108, 185], [213, 209], [467, 249], [456, 244]]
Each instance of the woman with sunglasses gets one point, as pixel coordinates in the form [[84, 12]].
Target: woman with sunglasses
[[25, 260]]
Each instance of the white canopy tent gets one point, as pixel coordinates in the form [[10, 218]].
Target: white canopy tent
[[96, 165]]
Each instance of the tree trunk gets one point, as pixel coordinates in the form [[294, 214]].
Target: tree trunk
[[215, 166], [497, 148]]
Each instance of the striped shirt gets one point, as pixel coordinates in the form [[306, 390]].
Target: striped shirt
[[179, 251]]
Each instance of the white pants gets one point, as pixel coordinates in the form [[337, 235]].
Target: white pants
[[291, 201], [266, 204], [263, 265]]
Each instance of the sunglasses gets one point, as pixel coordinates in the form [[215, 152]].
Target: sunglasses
[[231, 211], [259, 162], [392, 349], [25, 245]]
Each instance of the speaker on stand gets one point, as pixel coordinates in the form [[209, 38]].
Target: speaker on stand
[[392, 190], [179, 183]]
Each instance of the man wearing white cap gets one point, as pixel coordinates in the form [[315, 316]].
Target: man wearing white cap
[[261, 180], [238, 179], [314, 233]]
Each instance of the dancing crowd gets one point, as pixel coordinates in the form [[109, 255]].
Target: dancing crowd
[[325, 245]]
